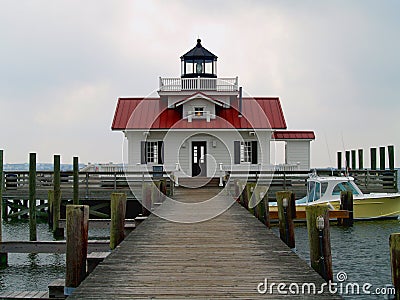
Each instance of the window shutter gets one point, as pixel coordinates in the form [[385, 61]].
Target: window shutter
[[254, 152], [160, 152], [143, 154], [236, 152]]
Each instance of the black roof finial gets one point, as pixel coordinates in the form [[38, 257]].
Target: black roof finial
[[198, 43]]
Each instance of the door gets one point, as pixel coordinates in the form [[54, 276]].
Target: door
[[199, 163]]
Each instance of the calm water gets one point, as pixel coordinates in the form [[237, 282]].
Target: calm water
[[362, 252], [33, 272]]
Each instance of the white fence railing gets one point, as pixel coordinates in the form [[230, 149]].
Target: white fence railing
[[201, 84]]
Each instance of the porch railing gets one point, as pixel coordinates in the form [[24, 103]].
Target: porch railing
[[199, 84]]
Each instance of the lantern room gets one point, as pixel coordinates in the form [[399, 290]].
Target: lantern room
[[199, 62]]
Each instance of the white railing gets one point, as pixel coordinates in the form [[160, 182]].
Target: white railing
[[199, 83], [259, 167]]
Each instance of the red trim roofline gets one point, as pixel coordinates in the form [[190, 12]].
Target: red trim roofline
[[293, 135]]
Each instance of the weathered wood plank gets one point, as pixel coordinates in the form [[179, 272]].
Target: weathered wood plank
[[225, 257]]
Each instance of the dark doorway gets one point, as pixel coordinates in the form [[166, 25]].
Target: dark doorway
[[199, 163]]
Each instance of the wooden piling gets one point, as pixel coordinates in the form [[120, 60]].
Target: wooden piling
[[391, 157], [250, 188], [346, 203], [382, 163], [32, 197], [118, 210], [76, 180], [146, 199], [320, 245], [339, 160], [373, 158], [347, 160], [57, 231], [394, 245], [286, 216], [353, 159], [3, 256], [267, 219], [360, 159], [50, 202], [77, 218]]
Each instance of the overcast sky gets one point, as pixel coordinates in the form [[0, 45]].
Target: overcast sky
[[334, 64]]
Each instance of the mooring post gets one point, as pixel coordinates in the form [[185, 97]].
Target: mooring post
[[339, 160], [346, 203], [76, 180], [391, 157], [266, 210], [286, 214], [360, 159], [319, 240], [394, 244], [57, 231], [373, 158], [353, 159], [250, 186], [347, 160], [146, 199], [118, 210], [382, 162], [3, 256], [32, 197], [77, 243], [50, 203]]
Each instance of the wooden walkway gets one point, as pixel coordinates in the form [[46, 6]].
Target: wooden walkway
[[222, 258]]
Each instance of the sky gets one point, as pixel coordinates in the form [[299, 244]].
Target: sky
[[335, 66]]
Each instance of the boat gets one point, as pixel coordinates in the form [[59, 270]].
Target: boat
[[326, 190]]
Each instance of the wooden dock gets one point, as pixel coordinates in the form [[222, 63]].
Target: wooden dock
[[225, 257]]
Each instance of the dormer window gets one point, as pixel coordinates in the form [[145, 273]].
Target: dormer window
[[199, 111]]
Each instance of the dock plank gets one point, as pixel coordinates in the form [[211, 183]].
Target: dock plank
[[225, 257]]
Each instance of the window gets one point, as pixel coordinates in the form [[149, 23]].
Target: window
[[199, 111], [152, 152], [245, 152], [344, 186]]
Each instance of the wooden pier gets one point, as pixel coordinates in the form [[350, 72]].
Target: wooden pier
[[228, 256]]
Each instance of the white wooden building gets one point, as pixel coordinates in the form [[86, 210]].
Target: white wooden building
[[200, 125]]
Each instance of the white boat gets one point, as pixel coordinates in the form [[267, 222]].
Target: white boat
[[326, 190]]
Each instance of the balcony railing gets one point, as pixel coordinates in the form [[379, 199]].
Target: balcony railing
[[199, 84]]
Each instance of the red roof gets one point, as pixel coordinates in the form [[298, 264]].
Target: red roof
[[294, 135], [153, 113]]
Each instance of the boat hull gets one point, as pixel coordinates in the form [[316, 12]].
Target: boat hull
[[366, 208]]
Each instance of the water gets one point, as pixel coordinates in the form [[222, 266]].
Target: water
[[33, 272], [362, 252]]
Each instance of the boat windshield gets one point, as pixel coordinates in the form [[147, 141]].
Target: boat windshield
[[344, 186], [316, 190]]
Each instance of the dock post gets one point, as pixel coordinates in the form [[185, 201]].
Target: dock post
[[347, 160], [146, 199], [373, 158], [250, 189], [319, 240], [118, 210], [286, 213], [391, 157], [382, 162], [339, 160], [266, 210], [353, 159], [32, 197], [50, 203], [57, 231], [394, 245], [360, 159], [76, 180], [346, 203], [77, 218], [3, 256]]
